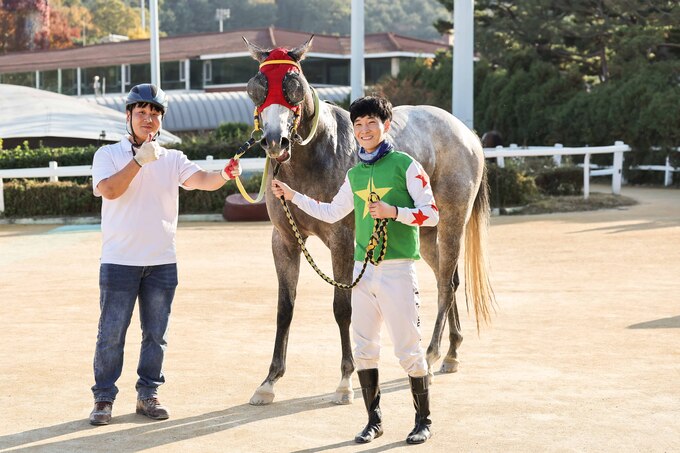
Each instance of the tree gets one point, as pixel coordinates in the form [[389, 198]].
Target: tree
[[25, 24], [408, 18]]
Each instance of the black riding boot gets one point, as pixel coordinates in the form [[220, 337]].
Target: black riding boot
[[421, 401], [371, 393]]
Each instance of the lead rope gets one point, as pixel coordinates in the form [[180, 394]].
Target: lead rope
[[379, 232]]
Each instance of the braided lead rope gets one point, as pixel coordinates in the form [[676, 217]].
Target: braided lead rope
[[379, 231]]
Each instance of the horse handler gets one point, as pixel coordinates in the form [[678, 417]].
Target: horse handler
[[389, 291], [139, 181]]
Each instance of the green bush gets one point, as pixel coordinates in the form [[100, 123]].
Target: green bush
[[510, 187], [31, 198], [560, 180]]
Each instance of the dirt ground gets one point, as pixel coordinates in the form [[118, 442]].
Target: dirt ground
[[583, 353]]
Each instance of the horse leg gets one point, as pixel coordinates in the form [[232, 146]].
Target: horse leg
[[342, 258], [450, 362], [448, 250], [287, 263]]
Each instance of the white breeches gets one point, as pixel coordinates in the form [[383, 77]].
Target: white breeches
[[388, 292]]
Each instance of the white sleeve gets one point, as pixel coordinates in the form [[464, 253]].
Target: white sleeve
[[102, 167], [425, 212], [342, 204]]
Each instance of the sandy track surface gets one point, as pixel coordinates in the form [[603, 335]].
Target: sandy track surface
[[583, 353]]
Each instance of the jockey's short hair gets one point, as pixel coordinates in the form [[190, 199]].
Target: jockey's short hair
[[376, 106]]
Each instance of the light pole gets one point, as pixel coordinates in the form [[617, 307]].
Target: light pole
[[155, 52], [221, 14], [463, 58], [357, 46]]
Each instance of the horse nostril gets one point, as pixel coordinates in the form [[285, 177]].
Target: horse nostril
[[263, 143], [285, 143]]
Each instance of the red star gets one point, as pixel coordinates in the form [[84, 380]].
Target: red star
[[434, 206], [423, 177], [419, 218]]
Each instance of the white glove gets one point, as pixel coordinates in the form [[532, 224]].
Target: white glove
[[148, 152]]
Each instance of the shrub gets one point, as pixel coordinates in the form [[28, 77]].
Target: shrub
[[509, 187], [31, 198], [560, 180]]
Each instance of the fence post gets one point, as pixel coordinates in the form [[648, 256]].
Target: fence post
[[618, 170], [586, 176], [500, 160], [2, 197], [53, 167], [557, 158], [668, 173]]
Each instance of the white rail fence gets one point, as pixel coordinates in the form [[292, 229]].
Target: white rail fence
[[54, 172], [251, 165], [557, 151]]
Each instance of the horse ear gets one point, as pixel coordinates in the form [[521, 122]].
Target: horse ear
[[298, 54], [257, 52]]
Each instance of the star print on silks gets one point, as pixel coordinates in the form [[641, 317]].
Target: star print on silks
[[434, 206], [364, 194], [423, 178], [419, 218]]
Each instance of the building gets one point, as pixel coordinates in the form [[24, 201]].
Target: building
[[204, 62]]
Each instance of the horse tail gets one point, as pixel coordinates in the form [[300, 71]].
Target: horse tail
[[477, 285]]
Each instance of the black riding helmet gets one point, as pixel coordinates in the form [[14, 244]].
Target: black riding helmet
[[145, 93], [148, 93]]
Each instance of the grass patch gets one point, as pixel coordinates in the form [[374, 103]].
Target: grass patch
[[572, 203]]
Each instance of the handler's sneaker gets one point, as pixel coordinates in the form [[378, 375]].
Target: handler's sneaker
[[152, 408], [101, 414]]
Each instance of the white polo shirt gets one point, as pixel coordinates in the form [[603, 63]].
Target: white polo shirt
[[138, 228]]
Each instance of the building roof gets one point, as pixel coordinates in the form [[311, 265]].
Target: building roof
[[199, 111], [177, 48], [28, 113]]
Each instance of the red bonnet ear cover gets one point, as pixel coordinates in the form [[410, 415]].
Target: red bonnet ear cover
[[275, 73]]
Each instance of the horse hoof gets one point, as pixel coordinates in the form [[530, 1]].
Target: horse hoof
[[343, 396], [449, 366], [263, 395]]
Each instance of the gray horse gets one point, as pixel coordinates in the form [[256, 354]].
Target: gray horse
[[312, 145]]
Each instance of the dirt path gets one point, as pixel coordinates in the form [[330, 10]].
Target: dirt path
[[583, 354]]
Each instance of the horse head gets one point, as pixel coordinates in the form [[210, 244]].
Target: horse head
[[280, 93]]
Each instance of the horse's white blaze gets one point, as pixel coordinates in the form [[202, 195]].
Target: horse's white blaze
[[275, 122]]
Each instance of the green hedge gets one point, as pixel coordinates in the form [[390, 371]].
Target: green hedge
[[31, 198], [222, 143]]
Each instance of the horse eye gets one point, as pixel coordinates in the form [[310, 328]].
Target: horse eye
[[293, 88], [257, 89]]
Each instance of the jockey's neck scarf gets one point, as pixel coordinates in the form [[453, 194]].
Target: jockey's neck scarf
[[371, 158]]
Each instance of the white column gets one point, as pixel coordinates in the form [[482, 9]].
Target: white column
[[37, 80], [155, 51], [2, 197], [59, 81], [463, 67], [122, 78], [357, 45], [394, 67], [79, 77], [187, 76]]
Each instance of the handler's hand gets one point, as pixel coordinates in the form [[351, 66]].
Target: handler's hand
[[281, 188], [231, 170], [148, 152], [382, 210]]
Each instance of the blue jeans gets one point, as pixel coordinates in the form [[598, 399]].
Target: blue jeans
[[120, 286]]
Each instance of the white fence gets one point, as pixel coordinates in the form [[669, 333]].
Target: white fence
[[250, 165], [54, 172], [557, 151]]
